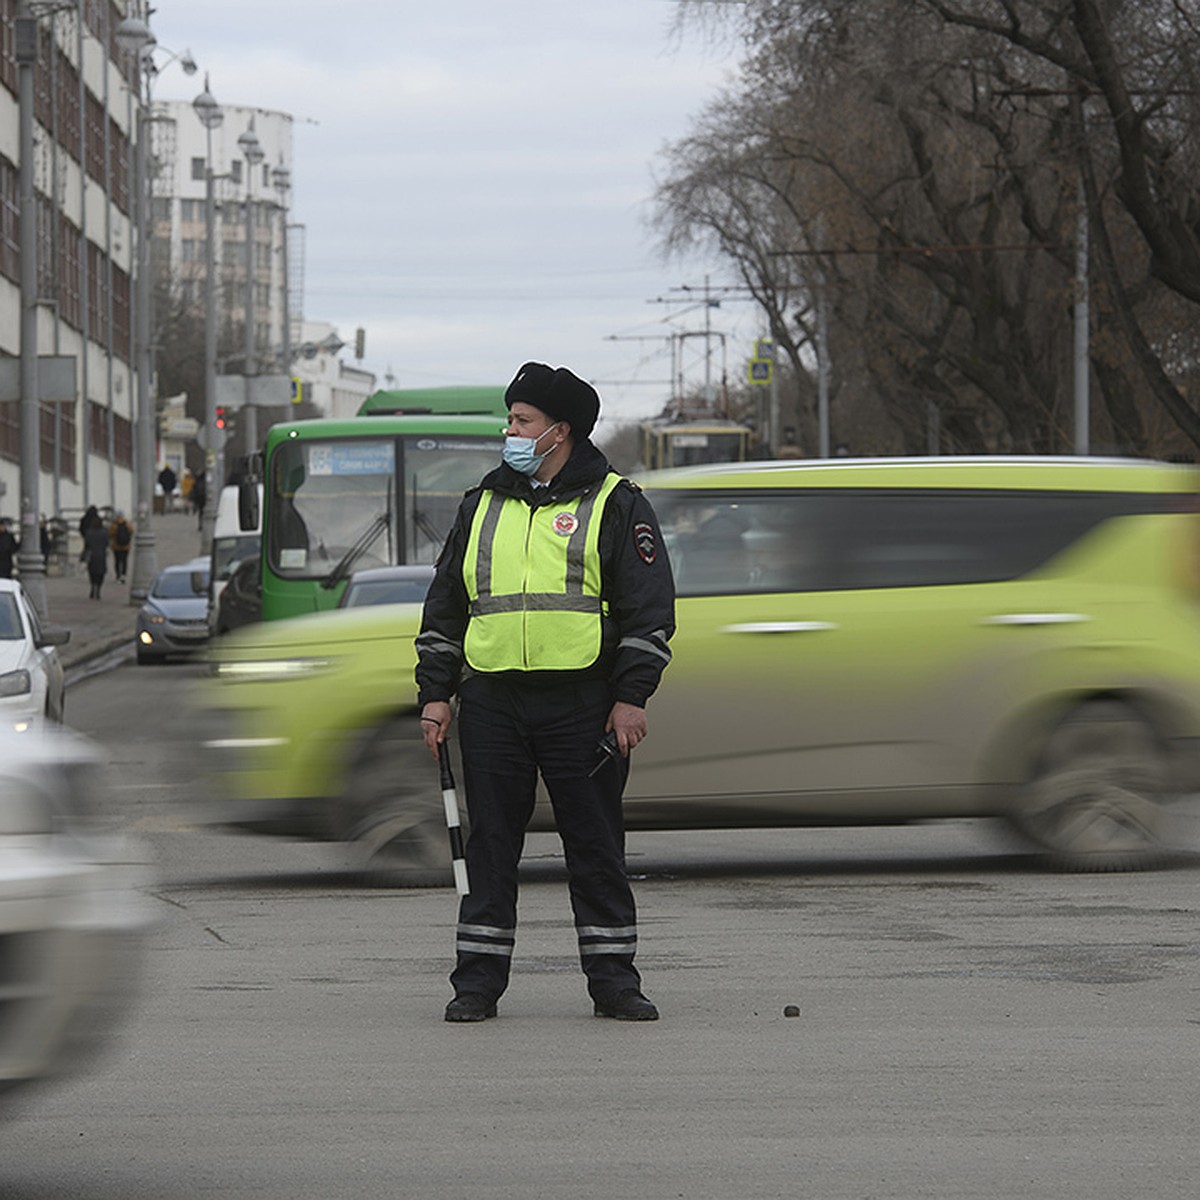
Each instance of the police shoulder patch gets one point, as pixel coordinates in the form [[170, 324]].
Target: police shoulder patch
[[643, 540]]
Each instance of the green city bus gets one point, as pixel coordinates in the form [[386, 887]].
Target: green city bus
[[445, 401], [378, 489]]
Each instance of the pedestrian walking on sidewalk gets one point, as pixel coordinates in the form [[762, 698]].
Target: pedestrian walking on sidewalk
[[120, 538], [167, 481], [8, 547], [95, 551], [199, 498]]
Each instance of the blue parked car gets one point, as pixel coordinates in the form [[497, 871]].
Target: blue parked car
[[174, 619]]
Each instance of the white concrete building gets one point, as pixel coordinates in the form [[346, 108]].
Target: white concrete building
[[284, 342], [180, 146], [84, 117], [86, 99]]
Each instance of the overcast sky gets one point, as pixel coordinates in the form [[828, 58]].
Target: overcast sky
[[475, 177]]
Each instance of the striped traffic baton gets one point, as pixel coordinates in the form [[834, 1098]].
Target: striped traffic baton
[[453, 825]]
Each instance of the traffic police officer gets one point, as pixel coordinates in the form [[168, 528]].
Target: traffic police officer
[[548, 616]]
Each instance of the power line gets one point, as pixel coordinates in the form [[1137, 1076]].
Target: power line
[[924, 251]]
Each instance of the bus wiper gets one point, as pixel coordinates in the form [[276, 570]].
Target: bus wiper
[[424, 525], [356, 551]]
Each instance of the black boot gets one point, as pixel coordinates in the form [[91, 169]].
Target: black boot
[[470, 1007], [629, 1005]]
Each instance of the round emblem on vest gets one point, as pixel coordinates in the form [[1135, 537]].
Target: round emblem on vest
[[565, 524]]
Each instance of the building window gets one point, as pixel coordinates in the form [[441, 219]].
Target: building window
[[10, 208], [69, 299], [58, 428], [122, 440], [10, 431], [197, 168], [100, 418]]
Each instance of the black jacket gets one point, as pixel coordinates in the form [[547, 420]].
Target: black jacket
[[636, 583], [8, 549]]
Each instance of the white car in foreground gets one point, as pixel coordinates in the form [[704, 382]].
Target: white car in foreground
[[31, 674], [73, 909]]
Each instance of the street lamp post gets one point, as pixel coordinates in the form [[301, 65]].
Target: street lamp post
[[281, 180], [135, 37], [211, 116], [30, 562], [249, 145]]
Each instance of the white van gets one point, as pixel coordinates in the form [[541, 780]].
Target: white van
[[231, 545]]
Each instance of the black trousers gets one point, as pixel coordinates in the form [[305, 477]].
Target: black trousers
[[511, 731]]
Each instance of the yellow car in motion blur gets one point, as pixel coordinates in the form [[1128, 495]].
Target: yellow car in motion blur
[[859, 641]]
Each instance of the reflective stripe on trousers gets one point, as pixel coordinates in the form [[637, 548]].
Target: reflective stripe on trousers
[[486, 939], [595, 939]]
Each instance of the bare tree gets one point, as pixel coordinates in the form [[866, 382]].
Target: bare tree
[[945, 148], [1150, 91]]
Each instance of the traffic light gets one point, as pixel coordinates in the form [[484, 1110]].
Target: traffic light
[[220, 416]]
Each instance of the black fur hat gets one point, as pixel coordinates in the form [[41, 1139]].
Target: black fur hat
[[559, 393]]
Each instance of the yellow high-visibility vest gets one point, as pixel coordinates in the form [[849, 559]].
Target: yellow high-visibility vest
[[533, 579]]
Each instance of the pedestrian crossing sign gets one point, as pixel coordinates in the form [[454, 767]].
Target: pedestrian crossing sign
[[758, 372]]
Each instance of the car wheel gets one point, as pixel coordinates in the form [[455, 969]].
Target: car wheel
[[398, 832], [1100, 795]]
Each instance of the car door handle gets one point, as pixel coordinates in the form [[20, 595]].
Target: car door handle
[[780, 627], [1035, 619]]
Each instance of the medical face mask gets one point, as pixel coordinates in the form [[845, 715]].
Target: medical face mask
[[521, 453]]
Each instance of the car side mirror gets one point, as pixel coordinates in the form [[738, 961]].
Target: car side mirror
[[248, 514], [54, 635]]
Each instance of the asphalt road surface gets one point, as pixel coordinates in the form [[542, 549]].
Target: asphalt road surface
[[970, 1025]]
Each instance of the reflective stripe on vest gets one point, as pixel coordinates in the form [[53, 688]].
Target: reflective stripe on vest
[[533, 579]]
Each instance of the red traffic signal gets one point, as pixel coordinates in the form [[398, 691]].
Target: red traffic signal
[[220, 417]]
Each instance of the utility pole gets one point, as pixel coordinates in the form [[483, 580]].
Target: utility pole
[[1082, 352], [249, 145], [30, 563], [712, 295], [134, 36], [213, 442]]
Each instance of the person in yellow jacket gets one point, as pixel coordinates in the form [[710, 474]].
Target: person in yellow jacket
[[120, 538], [548, 618]]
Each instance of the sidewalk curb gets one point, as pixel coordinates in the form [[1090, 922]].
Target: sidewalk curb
[[104, 657]]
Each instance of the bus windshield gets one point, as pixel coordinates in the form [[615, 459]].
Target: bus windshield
[[345, 504], [686, 449], [436, 473], [693, 443]]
